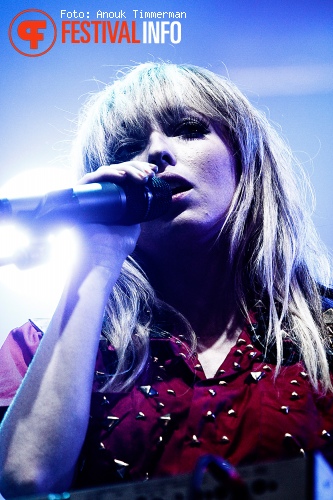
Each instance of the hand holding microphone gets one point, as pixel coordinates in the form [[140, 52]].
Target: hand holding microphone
[[117, 195], [136, 197]]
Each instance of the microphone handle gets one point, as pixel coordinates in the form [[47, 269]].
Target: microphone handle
[[105, 203], [97, 202]]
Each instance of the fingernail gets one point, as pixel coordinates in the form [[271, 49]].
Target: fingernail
[[144, 176], [149, 172]]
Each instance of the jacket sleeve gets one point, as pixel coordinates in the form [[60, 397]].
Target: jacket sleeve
[[15, 356]]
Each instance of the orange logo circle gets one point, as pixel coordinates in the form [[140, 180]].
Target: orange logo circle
[[32, 35]]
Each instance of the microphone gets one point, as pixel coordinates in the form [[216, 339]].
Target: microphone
[[104, 203]]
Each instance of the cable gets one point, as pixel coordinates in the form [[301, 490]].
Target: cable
[[226, 475]]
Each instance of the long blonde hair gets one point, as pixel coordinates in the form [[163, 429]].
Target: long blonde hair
[[274, 248]]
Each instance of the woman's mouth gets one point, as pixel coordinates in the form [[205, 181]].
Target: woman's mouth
[[178, 185], [179, 189]]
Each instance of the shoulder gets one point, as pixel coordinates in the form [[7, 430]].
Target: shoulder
[[16, 354], [327, 308], [327, 298]]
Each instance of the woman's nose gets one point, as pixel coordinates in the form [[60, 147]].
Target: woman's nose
[[160, 151]]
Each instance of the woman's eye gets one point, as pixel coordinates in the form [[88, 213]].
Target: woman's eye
[[128, 150], [191, 129]]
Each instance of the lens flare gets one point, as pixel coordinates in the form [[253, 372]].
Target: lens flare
[[34, 267]]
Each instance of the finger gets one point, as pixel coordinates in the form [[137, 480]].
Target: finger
[[135, 170], [103, 174], [139, 171]]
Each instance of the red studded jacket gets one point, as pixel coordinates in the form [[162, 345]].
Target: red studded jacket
[[174, 414]]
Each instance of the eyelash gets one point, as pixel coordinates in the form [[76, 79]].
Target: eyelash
[[188, 129], [128, 150], [191, 129]]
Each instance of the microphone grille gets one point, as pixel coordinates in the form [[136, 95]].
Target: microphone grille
[[148, 201], [161, 199]]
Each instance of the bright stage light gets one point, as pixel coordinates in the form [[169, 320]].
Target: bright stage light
[[33, 292], [12, 238], [45, 279], [37, 181], [19, 240]]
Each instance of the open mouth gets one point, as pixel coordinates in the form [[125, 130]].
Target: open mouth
[[178, 185], [179, 189]]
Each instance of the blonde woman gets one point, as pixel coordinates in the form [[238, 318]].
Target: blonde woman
[[203, 331]]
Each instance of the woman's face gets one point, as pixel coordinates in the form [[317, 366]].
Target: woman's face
[[197, 162]]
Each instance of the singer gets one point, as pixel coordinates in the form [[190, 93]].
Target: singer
[[205, 330]]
